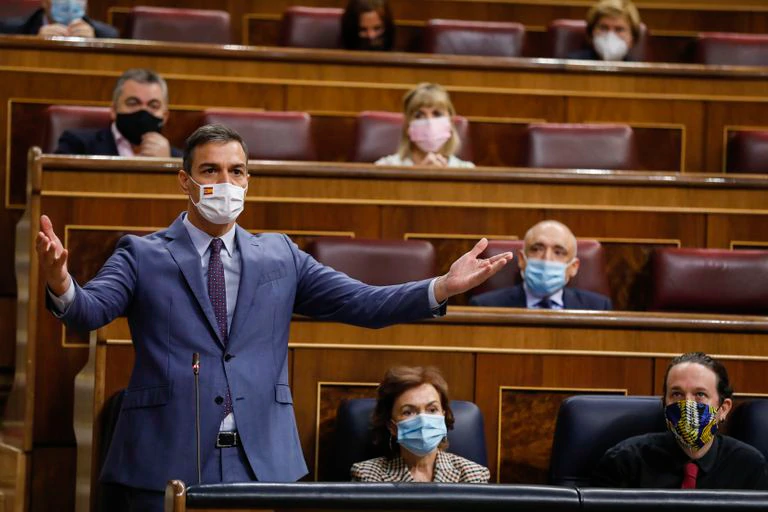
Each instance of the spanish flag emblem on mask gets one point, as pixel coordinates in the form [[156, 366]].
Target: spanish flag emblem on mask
[[207, 191]]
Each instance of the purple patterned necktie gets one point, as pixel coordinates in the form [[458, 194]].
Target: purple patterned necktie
[[217, 292]]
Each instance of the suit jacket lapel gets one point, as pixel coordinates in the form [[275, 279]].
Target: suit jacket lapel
[[517, 297], [110, 145], [187, 258], [250, 273], [570, 300]]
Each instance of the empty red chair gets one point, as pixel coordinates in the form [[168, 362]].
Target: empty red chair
[[710, 281], [311, 27], [180, 25], [568, 36], [18, 8], [377, 262], [457, 37], [725, 49], [581, 146], [747, 151], [60, 118], [269, 135], [591, 275], [377, 134]]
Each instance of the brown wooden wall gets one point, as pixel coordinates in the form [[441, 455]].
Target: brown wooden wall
[[682, 17], [93, 202], [518, 383]]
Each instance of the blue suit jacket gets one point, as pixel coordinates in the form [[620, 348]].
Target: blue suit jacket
[[514, 297], [92, 142], [31, 25], [157, 282]]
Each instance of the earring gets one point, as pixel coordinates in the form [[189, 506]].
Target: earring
[[391, 448]]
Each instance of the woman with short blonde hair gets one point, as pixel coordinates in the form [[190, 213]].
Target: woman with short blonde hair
[[429, 136]]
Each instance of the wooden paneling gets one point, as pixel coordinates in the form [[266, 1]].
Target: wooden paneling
[[526, 429], [547, 373], [747, 377], [661, 17], [394, 203], [52, 468]]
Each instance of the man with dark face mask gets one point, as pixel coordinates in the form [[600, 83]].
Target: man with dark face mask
[[139, 110], [691, 454]]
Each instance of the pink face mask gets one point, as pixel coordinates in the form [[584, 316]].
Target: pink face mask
[[430, 134]]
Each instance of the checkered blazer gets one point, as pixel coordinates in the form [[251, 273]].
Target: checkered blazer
[[448, 468]]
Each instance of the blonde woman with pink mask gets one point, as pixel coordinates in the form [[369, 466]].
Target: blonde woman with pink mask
[[429, 137]]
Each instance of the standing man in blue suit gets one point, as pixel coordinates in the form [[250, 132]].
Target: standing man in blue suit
[[206, 285], [547, 262]]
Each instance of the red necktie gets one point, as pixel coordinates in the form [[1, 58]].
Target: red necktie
[[690, 472]]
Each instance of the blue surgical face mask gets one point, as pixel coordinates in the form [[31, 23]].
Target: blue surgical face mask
[[67, 11], [543, 278], [421, 434]]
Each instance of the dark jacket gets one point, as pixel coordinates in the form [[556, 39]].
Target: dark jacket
[[514, 297], [92, 142], [32, 24], [591, 54]]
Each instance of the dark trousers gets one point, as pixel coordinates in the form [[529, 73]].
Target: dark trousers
[[225, 465]]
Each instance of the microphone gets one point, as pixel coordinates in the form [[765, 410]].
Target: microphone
[[196, 371]]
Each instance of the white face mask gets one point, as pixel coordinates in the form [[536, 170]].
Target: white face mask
[[220, 203], [610, 46]]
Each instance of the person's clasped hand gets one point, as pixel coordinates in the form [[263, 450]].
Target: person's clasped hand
[[434, 160], [66, 20]]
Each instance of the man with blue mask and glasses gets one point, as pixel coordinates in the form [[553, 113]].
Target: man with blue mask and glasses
[[691, 454], [547, 262], [62, 18]]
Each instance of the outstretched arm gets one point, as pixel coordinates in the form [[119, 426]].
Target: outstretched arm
[[469, 271]]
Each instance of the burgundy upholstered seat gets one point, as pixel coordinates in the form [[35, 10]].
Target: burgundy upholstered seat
[[269, 135], [710, 280], [727, 49], [747, 151], [377, 262], [489, 38], [378, 134], [581, 146], [311, 27], [179, 25], [60, 118], [591, 275]]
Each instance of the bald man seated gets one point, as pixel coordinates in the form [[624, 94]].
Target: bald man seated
[[547, 262]]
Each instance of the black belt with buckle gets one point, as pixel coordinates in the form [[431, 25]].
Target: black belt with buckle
[[227, 439]]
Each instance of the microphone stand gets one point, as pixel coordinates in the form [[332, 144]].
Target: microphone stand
[[196, 371]]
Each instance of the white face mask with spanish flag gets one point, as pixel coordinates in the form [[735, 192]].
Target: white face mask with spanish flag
[[220, 203]]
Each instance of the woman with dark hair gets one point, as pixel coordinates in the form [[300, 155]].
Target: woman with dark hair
[[411, 421], [367, 25]]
